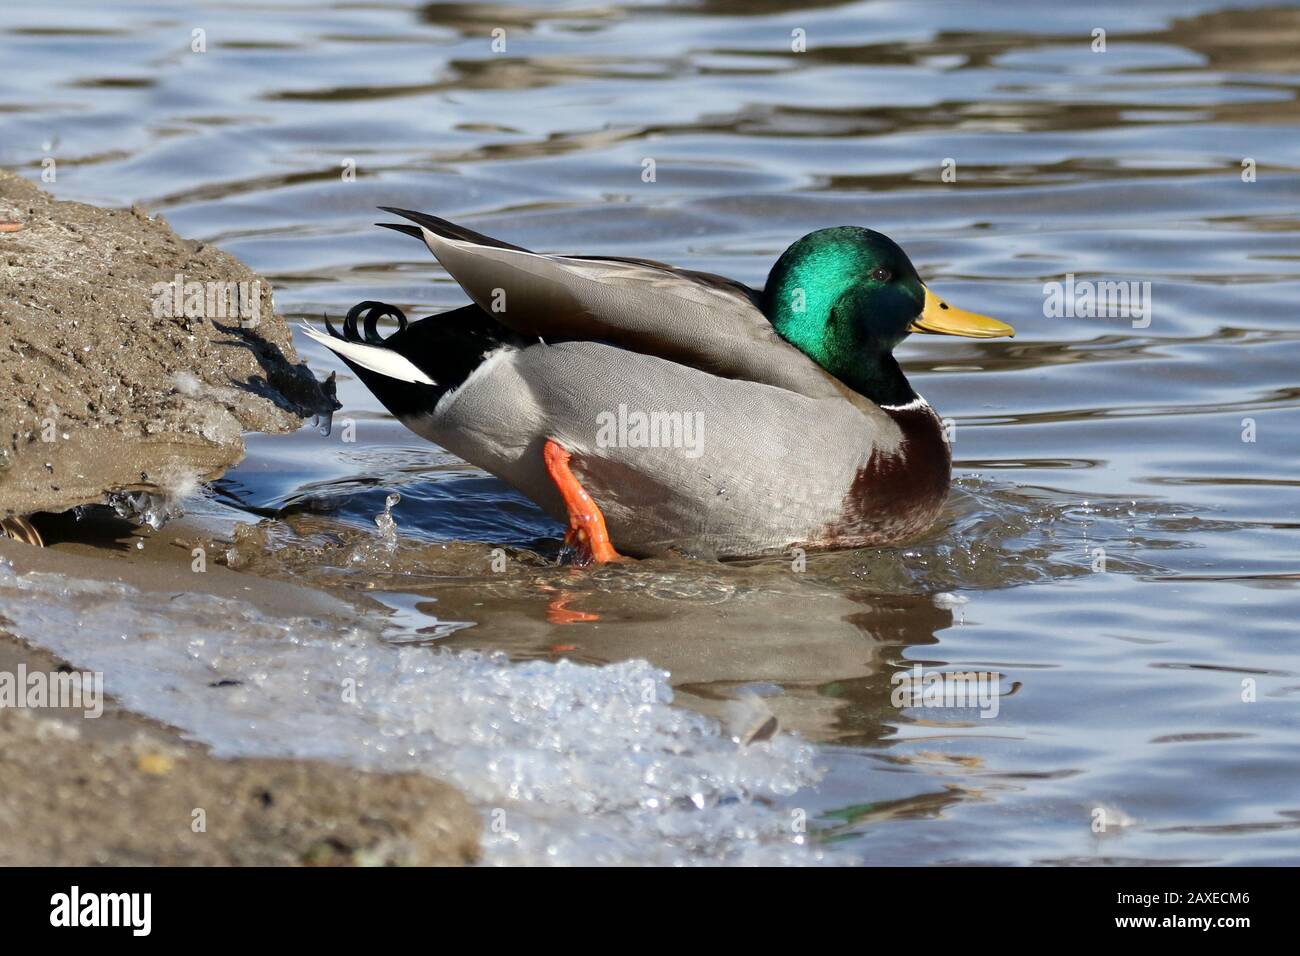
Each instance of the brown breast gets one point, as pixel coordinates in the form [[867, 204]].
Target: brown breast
[[895, 496]]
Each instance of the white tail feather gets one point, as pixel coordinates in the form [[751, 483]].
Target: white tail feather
[[373, 357]]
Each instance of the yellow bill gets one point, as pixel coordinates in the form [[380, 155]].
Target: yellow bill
[[939, 318]]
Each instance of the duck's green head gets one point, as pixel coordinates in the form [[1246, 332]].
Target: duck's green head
[[846, 296]]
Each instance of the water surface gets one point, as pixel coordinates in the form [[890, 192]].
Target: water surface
[[1158, 686]]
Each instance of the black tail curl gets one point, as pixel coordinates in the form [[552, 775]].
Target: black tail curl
[[370, 312], [447, 347]]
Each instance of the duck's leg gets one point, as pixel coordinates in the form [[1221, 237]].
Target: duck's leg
[[586, 524]]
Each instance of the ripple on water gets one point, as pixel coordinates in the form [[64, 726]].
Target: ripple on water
[[1093, 439]]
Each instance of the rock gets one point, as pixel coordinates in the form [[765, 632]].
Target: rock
[[75, 801], [105, 384]]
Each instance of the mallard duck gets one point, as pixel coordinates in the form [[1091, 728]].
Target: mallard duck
[[656, 409]]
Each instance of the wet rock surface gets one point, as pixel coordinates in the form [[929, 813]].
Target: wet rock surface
[[74, 798], [114, 375]]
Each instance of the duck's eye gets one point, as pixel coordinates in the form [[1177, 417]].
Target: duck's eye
[[882, 275]]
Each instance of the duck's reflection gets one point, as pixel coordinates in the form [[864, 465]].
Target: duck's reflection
[[819, 660]]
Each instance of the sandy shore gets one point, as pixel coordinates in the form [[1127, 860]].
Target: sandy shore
[[120, 790]]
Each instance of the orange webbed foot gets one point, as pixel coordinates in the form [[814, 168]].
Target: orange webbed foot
[[587, 532]]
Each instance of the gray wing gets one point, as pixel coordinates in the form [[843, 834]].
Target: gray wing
[[692, 318]]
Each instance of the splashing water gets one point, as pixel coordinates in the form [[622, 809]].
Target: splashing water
[[323, 422], [144, 507], [385, 523]]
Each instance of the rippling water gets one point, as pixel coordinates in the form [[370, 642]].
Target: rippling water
[[1120, 546]]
